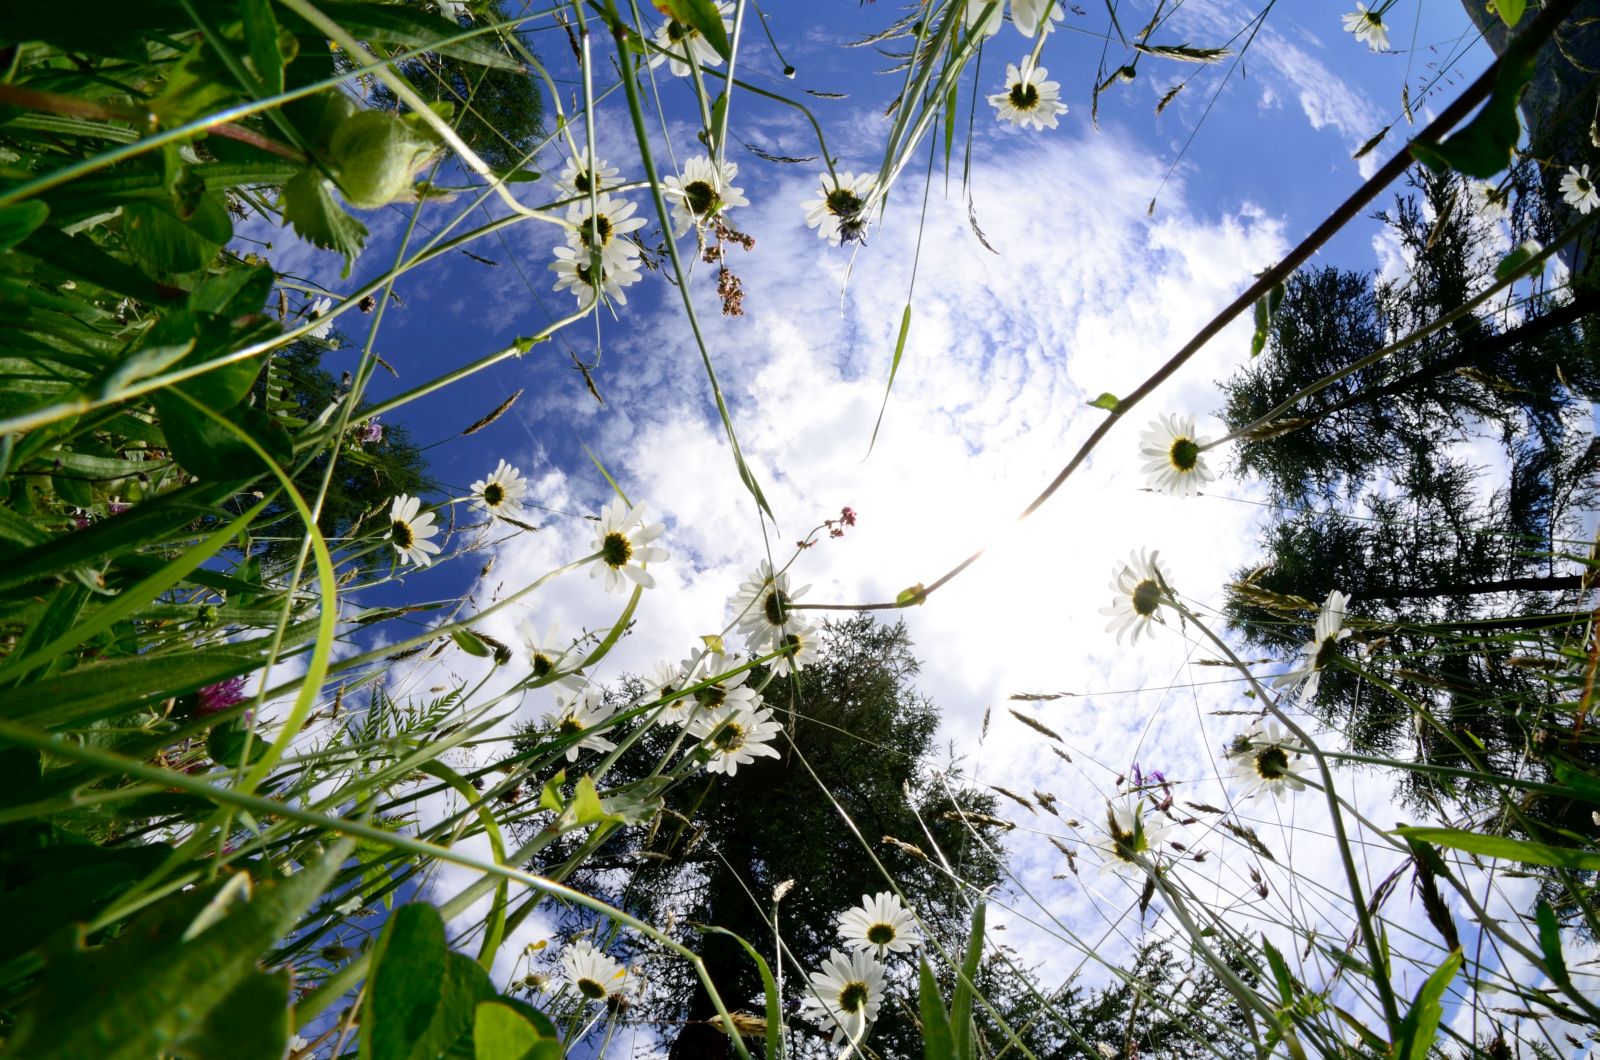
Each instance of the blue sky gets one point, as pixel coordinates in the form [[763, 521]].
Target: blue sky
[[1088, 293]]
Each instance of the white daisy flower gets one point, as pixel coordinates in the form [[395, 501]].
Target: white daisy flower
[[623, 542], [1318, 652], [799, 643], [682, 44], [1173, 458], [736, 735], [1131, 835], [840, 216], [410, 530], [1263, 760], [601, 223], [593, 972], [702, 194], [1138, 586], [666, 681], [1028, 98], [547, 658], [1489, 200], [1029, 16], [846, 993], [880, 923], [762, 608], [973, 16], [574, 271], [583, 174], [318, 310], [1368, 26], [729, 691], [1578, 190], [501, 493], [579, 711]]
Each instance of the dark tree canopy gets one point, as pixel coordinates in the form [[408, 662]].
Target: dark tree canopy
[[1453, 584], [725, 843]]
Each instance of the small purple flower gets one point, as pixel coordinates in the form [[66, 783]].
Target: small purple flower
[[372, 433], [116, 507], [219, 697]]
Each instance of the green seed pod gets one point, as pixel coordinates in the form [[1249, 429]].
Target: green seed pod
[[374, 155]]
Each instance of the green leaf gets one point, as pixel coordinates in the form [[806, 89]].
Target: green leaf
[[423, 999], [937, 1040], [393, 24], [1583, 785], [961, 1029], [168, 244], [702, 15], [208, 450], [1494, 846], [894, 366], [769, 987], [1107, 401], [227, 742], [1266, 308], [169, 981], [116, 686], [18, 221], [261, 37], [586, 808], [500, 1031], [1482, 148], [309, 207], [1510, 11], [1421, 1024], [1280, 973], [80, 257], [911, 597], [1514, 262], [152, 521], [468, 642], [52, 887]]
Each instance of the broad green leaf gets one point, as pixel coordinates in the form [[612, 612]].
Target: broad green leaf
[[1107, 401], [168, 244], [894, 367], [422, 998], [1265, 309], [1421, 1024], [309, 207], [261, 36], [18, 221], [769, 987], [152, 992], [468, 642], [1583, 784], [911, 597], [1494, 846], [1280, 973], [156, 521], [702, 15], [393, 24], [116, 686], [1482, 148], [79, 256], [586, 808], [210, 451], [550, 794], [1510, 11], [938, 1042], [1514, 262], [961, 1028], [501, 1032], [66, 884], [227, 743]]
